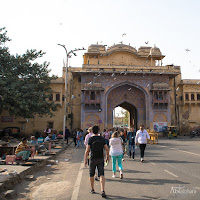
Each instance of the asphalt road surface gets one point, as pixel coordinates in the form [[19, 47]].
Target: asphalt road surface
[[171, 170]]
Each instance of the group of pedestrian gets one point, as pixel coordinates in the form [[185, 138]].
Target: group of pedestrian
[[78, 137], [96, 144]]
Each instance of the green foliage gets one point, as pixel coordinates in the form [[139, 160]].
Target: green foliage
[[24, 84]]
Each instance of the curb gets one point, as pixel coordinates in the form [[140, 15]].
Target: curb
[[8, 184]]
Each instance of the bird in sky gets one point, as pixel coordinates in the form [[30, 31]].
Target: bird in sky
[[121, 42], [187, 50], [147, 42], [124, 34]]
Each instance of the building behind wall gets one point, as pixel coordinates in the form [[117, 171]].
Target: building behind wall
[[122, 76]]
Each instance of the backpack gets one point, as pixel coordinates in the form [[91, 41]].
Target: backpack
[[97, 148]]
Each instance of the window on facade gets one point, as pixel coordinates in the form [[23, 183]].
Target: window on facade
[[156, 95], [57, 97], [87, 106], [160, 106], [92, 107], [63, 97], [92, 96], [165, 95], [160, 96], [192, 97], [51, 97], [198, 97], [50, 124], [79, 79], [98, 106], [186, 97]]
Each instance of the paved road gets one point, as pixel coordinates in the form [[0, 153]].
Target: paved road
[[170, 171]]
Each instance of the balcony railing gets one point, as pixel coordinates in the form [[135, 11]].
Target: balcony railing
[[92, 101], [192, 101], [160, 101]]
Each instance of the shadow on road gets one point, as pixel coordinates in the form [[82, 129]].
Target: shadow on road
[[172, 161], [147, 181]]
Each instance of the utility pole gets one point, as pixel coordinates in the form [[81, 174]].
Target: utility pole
[[65, 96]]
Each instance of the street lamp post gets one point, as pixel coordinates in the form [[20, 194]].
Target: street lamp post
[[65, 96]]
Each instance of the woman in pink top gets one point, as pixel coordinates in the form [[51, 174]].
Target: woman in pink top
[[106, 135]]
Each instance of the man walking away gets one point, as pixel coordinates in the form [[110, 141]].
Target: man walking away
[[96, 145], [141, 138]]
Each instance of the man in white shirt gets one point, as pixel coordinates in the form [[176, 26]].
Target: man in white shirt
[[141, 138]]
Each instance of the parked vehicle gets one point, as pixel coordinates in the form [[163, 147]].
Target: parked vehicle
[[195, 133], [11, 131]]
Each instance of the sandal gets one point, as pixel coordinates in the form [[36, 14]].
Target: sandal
[[103, 194], [92, 191]]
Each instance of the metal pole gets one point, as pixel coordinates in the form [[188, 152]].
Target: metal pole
[[65, 93], [65, 97]]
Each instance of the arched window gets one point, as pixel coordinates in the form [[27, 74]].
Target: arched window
[[192, 97], [186, 97], [198, 97], [51, 97], [57, 97], [92, 96]]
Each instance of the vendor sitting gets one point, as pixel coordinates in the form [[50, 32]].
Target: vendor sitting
[[35, 143], [23, 150]]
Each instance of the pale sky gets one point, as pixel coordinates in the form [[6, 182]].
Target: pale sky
[[172, 25]]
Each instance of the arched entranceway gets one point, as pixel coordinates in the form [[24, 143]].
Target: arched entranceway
[[129, 97], [132, 111]]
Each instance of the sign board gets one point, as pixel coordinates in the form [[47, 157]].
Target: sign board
[[6, 119], [159, 126]]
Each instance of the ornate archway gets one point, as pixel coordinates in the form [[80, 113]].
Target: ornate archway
[[129, 96]]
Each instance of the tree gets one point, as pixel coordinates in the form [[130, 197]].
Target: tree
[[125, 116], [24, 84]]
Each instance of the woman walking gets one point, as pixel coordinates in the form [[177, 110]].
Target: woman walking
[[106, 135], [79, 137], [116, 153]]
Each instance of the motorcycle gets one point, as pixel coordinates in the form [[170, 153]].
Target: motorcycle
[[195, 133]]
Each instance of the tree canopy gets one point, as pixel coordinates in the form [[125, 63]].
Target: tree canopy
[[24, 83]]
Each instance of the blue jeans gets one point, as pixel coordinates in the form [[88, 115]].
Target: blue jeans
[[119, 161], [130, 148], [24, 154], [81, 139]]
